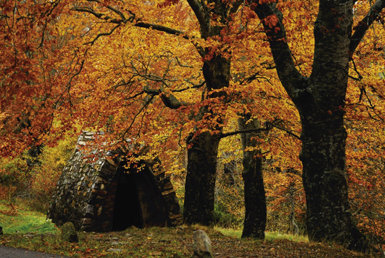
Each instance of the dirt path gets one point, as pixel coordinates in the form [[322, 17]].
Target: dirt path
[[9, 252]]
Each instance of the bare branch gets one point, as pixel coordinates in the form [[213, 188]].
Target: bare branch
[[147, 102], [258, 130], [112, 9], [124, 20], [359, 78], [98, 15], [285, 130], [102, 34], [194, 86], [364, 24], [268, 126], [253, 77], [160, 28]]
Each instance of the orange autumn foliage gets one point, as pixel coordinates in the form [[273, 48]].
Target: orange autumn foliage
[[67, 64]]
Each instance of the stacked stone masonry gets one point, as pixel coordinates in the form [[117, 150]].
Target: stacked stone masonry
[[88, 193]]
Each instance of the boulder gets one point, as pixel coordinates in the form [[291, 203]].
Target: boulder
[[68, 233], [202, 244]]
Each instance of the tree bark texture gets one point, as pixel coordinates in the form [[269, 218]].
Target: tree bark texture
[[255, 201], [320, 100], [324, 180], [323, 133], [200, 179]]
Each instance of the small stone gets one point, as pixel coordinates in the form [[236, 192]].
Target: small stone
[[29, 235], [202, 244], [114, 250], [68, 233]]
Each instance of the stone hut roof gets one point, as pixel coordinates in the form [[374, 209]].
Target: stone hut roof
[[105, 195]]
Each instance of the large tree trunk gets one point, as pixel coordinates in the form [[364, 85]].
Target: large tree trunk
[[324, 180], [200, 179], [255, 201], [323, 133], [203, 150], [320, 100]]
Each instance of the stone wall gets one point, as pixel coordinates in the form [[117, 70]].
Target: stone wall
[[86, 191]]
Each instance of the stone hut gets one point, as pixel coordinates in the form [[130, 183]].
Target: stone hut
[[105, 195]]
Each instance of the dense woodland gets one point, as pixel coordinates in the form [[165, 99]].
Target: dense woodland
[[267, 115]]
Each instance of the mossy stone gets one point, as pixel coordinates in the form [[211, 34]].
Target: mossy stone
[[68, 232]]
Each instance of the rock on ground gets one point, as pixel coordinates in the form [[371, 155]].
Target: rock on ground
[[68, 233], [202, 244]]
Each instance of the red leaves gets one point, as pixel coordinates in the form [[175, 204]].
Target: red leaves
[[168, 3], [271, 21]]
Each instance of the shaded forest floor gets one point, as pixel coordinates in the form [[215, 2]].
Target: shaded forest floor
[[168, 242], [29, 229]]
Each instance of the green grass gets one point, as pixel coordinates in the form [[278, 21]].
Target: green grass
[[276, 236], [270, 236], [22, 220]]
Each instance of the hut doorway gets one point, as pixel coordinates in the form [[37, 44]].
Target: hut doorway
[[127, 210], [138, 201]]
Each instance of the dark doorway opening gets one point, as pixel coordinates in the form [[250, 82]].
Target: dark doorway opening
[[127, 210]]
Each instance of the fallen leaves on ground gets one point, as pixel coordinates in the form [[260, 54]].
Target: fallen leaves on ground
[[170, 242]]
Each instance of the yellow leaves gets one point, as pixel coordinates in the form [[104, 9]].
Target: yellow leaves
[[3, 117]]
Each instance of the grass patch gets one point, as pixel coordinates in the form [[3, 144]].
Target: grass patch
[[277, 236], [269, 236], [231, 232], [18, 218]]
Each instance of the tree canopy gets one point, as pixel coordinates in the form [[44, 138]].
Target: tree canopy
[[175, 75]]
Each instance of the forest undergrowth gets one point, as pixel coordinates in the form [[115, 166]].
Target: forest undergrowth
[[25, 228]]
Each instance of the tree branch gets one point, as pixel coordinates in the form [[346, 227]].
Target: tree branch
[[124, 20], [160, 28], [111, 8], [146, 103], [286, 131], [258, 130], [102, 34], [101, 16], [168, 99], [194, 86], [268, 126], [202, 16], [364, 25], [271, 18]]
